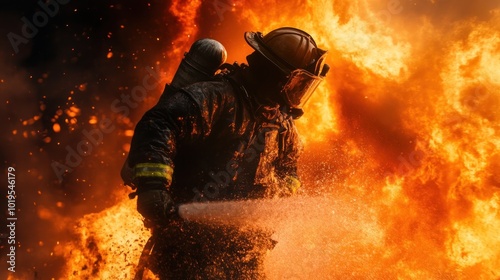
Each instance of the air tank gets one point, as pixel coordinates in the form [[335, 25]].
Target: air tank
[[200, 63]]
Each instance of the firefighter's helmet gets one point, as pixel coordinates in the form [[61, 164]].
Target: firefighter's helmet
[[296, 55]]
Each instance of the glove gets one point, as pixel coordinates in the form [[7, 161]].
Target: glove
[[292, 185], [157, 208]]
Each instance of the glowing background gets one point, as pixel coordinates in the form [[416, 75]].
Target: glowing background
[[402, 139]]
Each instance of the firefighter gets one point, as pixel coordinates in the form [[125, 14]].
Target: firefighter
[[230, 138]]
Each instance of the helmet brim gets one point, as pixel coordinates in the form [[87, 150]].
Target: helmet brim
[[254, 39]]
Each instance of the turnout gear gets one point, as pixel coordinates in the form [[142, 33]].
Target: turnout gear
[[220, 143], [296, 54], [199, 64], [143, 170], [216, 139]]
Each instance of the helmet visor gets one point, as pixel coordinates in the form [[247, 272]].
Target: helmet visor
[[300, 87]]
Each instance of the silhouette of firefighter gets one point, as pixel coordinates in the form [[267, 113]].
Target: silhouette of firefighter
[[221, 132]]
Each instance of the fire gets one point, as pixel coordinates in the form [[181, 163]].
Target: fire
[[470, 140], [107, 246], [185, 12], [375, 52], [403, 135], [475, 240]]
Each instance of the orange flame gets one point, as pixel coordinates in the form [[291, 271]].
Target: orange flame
[[108, 244]]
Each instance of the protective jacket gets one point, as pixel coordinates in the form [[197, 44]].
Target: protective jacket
[[214, 141]]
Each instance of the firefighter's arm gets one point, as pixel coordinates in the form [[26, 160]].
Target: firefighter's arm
[[175, 121], [287, 165], [170, 123]]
